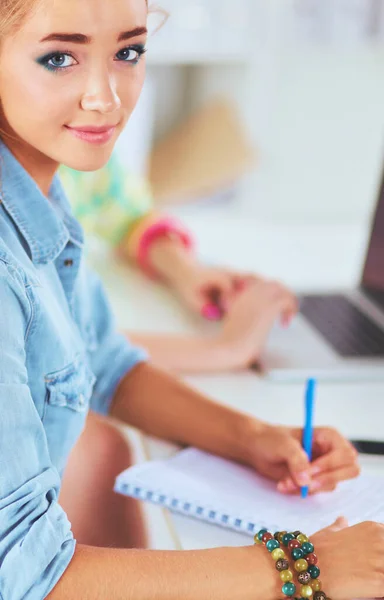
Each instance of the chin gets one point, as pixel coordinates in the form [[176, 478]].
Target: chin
[[93, 160]]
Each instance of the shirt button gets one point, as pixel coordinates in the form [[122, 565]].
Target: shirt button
[[81, 400], [68, 262]]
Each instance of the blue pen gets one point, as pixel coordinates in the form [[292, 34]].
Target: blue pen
[[308, 425]]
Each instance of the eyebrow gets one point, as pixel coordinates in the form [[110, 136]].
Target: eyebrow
[[80, 38]]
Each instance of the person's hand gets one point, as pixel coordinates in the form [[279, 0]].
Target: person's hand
[[250, 317], [351, 560], [208, 291], [277, 453]]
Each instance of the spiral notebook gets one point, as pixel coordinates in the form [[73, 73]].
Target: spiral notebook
[[205, 487]]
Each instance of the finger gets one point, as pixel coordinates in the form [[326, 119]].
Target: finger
[[338, 525], [330, 480], [212, 304], [290, 309], [211, 312], [219, 291], [327, 438], [288, 302], [297, 462], [242, 280], [323, 483], [336, 459]]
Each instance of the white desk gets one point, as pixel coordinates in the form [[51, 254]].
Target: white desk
[[306, 259]]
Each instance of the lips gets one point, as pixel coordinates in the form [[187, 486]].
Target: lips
[[93, 134]]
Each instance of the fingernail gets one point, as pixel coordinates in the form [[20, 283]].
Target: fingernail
[[211, 312], [315, 485], [304, 478], [315, 470], [287, 486]]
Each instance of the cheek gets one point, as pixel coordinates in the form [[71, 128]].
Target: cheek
[[129, 90], [34, 100]]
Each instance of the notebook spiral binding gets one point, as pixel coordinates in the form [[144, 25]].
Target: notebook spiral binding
[[195, 511]]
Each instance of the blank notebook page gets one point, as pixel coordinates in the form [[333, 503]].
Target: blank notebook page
[[216, 490]]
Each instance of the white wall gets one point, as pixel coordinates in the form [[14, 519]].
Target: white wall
[[318, 121], [314, 111]]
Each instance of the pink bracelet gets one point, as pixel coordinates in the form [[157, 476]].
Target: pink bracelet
[[163, 228]]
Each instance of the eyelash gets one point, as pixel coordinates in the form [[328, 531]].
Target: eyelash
[[45, 60]]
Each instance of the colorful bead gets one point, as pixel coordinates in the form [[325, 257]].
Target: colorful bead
[[272, 545], [319, 596], [315, 585], [286, 575], [266, 537], [261, 533], [288, 588], [302, 538], [278, 553], [301, 565], [256, 539], [280, 537], [287, 538], [304, 578], [314, 571], [297, 553], [282, 564], [306, 591], [311, 559], [276, 535], [307, 547], [296, 533], [293, 544]]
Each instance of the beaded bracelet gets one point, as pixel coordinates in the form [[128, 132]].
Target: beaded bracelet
[[305, 560]]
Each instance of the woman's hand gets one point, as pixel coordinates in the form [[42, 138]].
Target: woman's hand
[[351, 560], [250, 318], [277, 453], [208, 291]]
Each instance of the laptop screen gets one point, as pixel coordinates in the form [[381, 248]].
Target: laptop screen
[[373, 274]]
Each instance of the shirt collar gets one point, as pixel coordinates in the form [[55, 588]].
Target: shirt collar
[[46, 224]]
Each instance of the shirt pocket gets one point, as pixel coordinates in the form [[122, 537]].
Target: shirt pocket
[[68, 394], [71, 387]]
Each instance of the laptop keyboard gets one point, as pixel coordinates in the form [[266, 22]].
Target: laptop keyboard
[[349, 331]]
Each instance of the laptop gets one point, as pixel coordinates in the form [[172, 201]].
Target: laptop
[[337, 336]]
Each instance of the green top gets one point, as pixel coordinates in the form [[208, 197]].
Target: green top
[[107, 202]]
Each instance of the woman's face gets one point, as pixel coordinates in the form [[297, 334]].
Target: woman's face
[[70, 78]]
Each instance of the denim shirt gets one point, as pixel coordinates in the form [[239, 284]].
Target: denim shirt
[[60, 355]]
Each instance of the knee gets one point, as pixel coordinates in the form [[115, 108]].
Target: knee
[[110, 447]]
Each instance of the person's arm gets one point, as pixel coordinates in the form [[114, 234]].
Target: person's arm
[[106, 574], [36, 542], [111, 355], [162, 406], [186, 354], [237, 342]]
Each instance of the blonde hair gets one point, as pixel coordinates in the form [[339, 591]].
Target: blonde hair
[[13, 13]]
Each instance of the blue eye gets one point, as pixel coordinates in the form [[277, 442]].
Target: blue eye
[[57, 61], [131, 54]]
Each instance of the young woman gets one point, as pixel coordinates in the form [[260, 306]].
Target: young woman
[[117, 207], [70, 74]]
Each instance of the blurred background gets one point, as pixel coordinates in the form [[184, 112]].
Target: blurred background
[[268, 109]]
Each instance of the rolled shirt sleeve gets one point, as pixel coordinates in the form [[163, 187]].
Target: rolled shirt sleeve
[[36, 542], [108, 202], [113, 355]]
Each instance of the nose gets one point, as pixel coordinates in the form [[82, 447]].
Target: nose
[[101, 93]]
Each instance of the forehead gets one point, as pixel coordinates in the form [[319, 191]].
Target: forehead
[[90, 17]]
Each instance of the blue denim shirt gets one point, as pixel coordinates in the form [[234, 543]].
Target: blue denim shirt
[[60, 355]]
